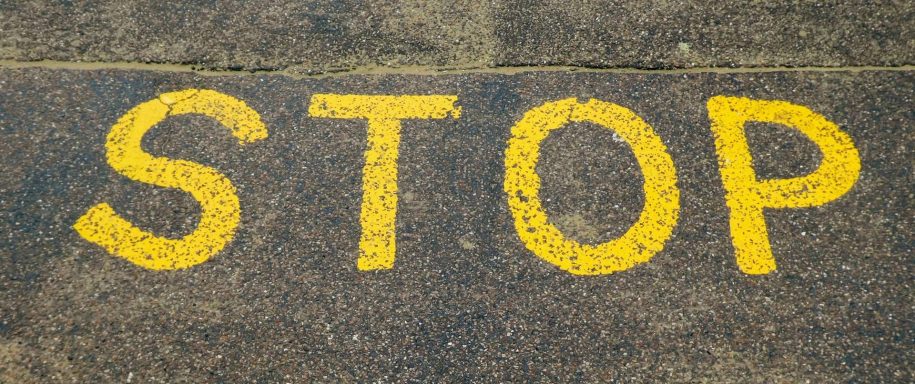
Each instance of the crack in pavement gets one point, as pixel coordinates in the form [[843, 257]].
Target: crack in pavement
[[296, 73]]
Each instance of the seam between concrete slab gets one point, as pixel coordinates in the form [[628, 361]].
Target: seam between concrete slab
[[421, 70]]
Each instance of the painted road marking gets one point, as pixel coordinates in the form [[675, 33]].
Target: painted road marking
[[746, 196], [522, 187], [377, 245], [220, 209]]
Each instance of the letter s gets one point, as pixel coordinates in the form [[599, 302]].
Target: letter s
[[220, 210]]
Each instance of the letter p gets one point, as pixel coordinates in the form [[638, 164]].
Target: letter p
[[747, 196]]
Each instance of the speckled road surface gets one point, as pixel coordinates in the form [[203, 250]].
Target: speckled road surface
[[298, 273], [466, 299]]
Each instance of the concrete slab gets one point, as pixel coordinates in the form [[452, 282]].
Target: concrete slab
[[319, 36]]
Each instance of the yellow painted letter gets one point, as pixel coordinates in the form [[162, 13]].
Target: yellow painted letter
[[747, 196], [522, 184], [220, 210], [379, 176]]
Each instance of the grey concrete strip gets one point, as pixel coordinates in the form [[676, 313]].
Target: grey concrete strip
[[317, 36], [669, 34], [466, 299]]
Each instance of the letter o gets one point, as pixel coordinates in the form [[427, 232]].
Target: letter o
[[522, 185]]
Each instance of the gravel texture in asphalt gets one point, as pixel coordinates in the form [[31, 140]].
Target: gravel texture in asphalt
[[466, 300]]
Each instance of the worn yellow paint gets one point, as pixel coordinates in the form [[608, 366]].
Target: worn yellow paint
[[220, 209], [747, 196], [522, 185], [377, 244]]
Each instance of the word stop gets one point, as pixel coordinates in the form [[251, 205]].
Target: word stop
[[746, 195]]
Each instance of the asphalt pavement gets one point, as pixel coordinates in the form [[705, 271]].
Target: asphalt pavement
[[274, 289]]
